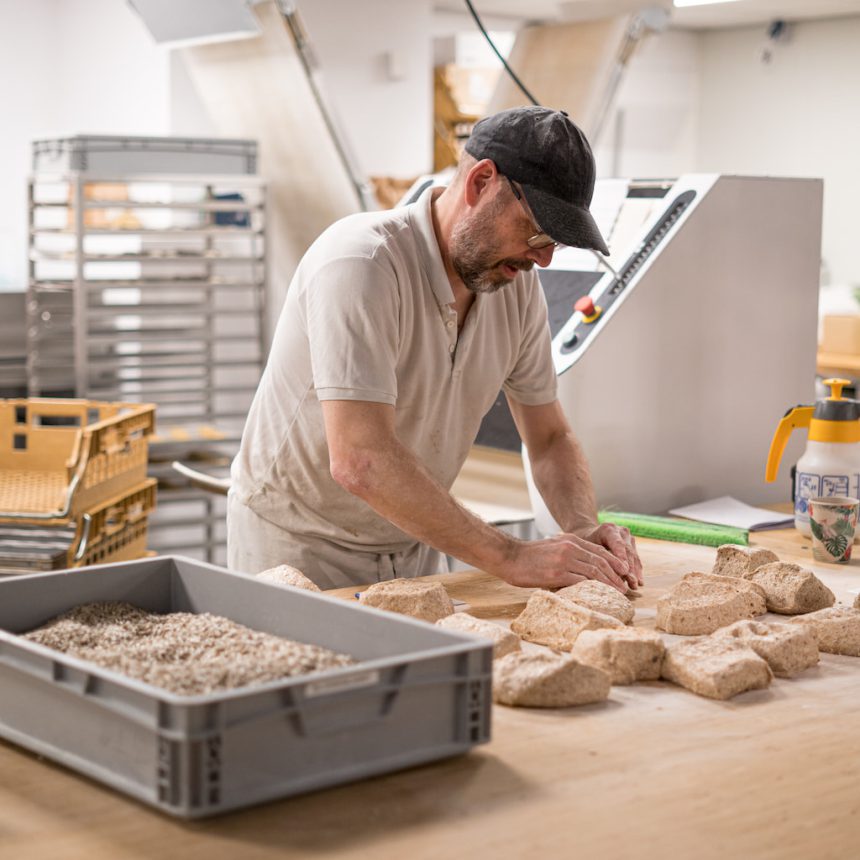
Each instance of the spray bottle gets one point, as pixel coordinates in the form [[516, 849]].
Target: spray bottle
[[830, 466]]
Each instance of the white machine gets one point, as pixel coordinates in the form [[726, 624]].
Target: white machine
[[673, 380]]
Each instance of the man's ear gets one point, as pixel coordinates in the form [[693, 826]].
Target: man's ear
[[479, 180]]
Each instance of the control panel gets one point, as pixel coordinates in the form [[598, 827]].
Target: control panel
[[588, 308]]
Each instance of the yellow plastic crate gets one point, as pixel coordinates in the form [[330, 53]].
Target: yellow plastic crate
[[115, 530], [62, 458]]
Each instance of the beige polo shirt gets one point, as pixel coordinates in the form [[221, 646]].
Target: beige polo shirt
[[369, 316]]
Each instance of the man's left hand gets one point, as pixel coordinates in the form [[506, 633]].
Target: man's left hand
[[619, 541]]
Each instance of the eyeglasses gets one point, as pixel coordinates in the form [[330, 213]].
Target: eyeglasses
[[540, 240]]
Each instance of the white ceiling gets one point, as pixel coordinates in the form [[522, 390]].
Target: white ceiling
[[738, 13]]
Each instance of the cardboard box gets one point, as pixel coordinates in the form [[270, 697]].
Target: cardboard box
[[841, 334]]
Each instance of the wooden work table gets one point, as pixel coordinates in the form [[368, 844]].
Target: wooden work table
[[654, 772]]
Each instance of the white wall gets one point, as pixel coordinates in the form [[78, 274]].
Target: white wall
[[188, 114], [69, 67], [652, 131], [689, 101], [90, 66], [704, 101], [388, 121], [27, 47], [799, 115], [375, 62]]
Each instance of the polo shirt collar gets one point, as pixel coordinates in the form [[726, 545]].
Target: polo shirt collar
[[428, 248]]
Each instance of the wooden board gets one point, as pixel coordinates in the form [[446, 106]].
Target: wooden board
[[654, 772], [565, 66], [838, 364]]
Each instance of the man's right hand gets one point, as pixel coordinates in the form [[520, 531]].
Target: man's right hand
[[561, 560]]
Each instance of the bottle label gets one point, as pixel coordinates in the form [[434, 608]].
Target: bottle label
[[808, 485]]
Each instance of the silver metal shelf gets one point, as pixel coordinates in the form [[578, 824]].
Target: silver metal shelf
[[153, 309], [109, 337], [211, 257], [145, 391], [69, 284], [174, 205], [153, 360], [184, 232], [182, 418], [211, 180], [167, 448], [148, 309], [175, 354], [148, 380]]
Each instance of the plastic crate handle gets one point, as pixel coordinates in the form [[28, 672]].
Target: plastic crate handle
[[86, 524]]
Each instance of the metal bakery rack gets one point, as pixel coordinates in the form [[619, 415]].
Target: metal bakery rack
[[147, 274]]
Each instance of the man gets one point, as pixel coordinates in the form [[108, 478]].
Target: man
[[398, 331]]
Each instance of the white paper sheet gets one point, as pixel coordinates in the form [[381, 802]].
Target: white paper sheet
[[728, 511]]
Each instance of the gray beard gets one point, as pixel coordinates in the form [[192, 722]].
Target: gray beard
[[478, 281], [475, 263], [481, 275]]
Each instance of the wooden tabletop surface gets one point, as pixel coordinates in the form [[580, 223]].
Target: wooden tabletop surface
[[654, 772]]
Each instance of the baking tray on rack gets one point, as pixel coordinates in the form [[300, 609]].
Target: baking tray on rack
[[138, 154]]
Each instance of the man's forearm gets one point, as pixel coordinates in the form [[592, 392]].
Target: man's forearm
[[562, 477], [398, 487]]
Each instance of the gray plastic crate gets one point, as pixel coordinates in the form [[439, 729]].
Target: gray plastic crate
[[121, 155], [418, 694]]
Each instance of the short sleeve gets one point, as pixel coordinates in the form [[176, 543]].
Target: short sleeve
[[352, 312], [532, 380]]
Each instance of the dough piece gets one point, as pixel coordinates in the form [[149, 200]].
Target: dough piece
[[547, 681], [504, 642], [284, 574], [836, 629], [788, 649], [790, 589], [857, 602], [601, 598], [628, 655], [714, 667], [553, 621], [425, 600], [703, 602], [733, 560]]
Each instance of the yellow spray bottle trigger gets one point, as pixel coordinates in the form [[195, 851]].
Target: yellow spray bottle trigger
[[836, 386], [799, 416]]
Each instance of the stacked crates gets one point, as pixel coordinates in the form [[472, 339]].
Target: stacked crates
[[73, 485]]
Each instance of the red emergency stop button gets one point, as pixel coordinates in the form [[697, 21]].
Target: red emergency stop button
[[587, 308]]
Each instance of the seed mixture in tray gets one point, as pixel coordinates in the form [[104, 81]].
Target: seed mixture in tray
[[184, 652]]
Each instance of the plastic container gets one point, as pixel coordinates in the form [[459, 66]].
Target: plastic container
[[418, 693], [123, 155], [115, 530], [62, 458]]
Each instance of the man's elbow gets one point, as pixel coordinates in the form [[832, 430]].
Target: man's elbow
[[355, 472]]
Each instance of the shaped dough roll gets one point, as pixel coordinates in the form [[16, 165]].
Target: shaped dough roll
[[427, 601], [599, 597], [547, 681], [552, 621]]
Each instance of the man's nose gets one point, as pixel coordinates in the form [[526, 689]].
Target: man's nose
[[542, 256]]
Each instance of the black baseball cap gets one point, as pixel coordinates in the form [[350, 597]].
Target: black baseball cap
[[548, 155]]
